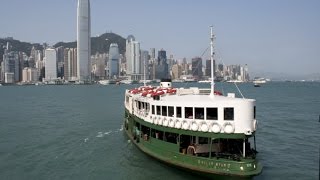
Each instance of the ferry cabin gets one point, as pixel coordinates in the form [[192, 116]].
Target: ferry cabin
[[188, 125]]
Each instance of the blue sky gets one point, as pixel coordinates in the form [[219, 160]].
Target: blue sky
[[279, 36]]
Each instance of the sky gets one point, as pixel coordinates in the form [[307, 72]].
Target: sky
[[270, 36]]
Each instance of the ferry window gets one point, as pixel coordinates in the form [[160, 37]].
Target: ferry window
[[254, 112], [171, 137], [157, 98], [170, 111], [153, 133], [153, 109], [212, 113], [188, 111], [158, 110], [159, 134], [203, 140], [178, 109], [139, 105], [228, 114], [145, 130], [199, 113], [164, 111]]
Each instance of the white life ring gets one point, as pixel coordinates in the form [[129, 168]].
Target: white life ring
[[165, 122], [154, 121], [194, 126], [160, 120], [215, 127], [255, 125], [178, 124], [171, 123], [228, 127], [204, 127], [185, 125]]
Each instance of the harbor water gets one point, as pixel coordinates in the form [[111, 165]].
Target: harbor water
[[75, 132]]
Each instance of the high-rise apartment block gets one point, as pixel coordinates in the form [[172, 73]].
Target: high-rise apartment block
[[30, 75], [197, 68], [99, 66], [134, 70], [10, 70], [50, 64], [161, 67], [70, 64], [176, 71]]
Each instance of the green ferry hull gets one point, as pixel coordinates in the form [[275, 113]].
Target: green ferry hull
[[217, 168]]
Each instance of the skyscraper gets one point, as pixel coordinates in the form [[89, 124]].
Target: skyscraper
[[83, 40], [176, 71], [60, 61], [208, 67], [162, 71], [197, 68], [50, 64], [113, 60], [144, 62], [10, 65], [70, 64], [133, 58]]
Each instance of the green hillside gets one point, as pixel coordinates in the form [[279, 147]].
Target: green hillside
[[99, 44]]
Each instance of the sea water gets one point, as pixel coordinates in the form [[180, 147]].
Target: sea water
[[75, 132]]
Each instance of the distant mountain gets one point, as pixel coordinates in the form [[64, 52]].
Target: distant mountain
[[99, 44], [276, 76], [17, 45]]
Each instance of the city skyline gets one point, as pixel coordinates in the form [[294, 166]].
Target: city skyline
[[269, 36]]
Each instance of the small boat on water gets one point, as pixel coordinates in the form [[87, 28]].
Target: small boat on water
[[204, 81], [199, 130], [107, 82], [126, 81], [259, 81], [235, 81], [178, 81]]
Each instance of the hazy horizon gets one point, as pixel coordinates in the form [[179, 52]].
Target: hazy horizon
[[269, 36]]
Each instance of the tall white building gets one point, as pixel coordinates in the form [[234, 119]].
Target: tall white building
[[144, 62], [134, 70], [114, 57], [50, 64], [83, 40]]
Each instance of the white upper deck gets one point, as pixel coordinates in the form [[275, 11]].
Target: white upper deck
[[192, 109]]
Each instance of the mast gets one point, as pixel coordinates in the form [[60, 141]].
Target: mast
[[144, 72], [211, 56]]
